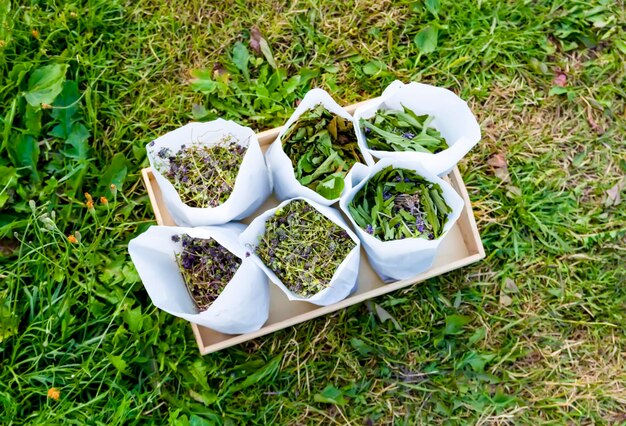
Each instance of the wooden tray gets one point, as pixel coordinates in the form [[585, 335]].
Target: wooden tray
[[462, 246]]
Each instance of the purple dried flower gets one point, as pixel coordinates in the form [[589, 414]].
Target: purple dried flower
[[408, 135], [407, 180], [163, 153], [247, 254], [176, 238], [369, 229], [151, 143], [386, 195], [397, 179]]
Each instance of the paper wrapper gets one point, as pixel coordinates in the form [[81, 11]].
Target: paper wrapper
[[344, 279], [242, 307], [285, 183], [452, 117], [252, 186], [401, 259]]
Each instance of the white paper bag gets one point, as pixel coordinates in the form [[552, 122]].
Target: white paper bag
[[242, 307], [252, 186], [452, 117], [344, 279], [285, 183], [401, 259]]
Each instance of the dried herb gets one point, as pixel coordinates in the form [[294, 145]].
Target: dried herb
[[398, 203], [303, 247], [322, 148], [206, 267], [204, 176], [391, 130]]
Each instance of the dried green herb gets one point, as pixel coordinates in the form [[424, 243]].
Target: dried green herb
[[322, 148], [398, 203], [206, 267], [391, 130], [303, 247], [204, 176]]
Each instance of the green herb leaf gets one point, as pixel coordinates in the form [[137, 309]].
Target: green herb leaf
[[331, 187], [241, 58], [330, 395], [432, 6], [374, 67], [24, 152], [398, 203], [426, 39], [45, 84]]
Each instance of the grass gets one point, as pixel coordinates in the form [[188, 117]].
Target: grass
[[533, 334]]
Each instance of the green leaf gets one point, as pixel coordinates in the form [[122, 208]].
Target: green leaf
[[432, 6], [426, 39], [384, 316], [77, 140], [9, 323], [331, 187], [455, 323], [266, 373], [8, 180], [45, 84], [199, 421], [267, 52], [478, 335], [363, 348], [24, 152], [134, 319], [202, 82], [290, 85], [374, 67], [65, 107], [32, 120], [118, 362], [199, 112], [557, 90], [114, 174], [241, 58], [330, 395], [620, 45]]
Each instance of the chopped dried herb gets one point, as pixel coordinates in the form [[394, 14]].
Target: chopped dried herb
[[398, 203], [322, 148], [391, 130], [204, 176], [206, 267], [303, 247]]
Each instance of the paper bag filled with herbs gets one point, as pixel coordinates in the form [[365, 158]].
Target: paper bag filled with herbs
[[202, 275], [418, 122], [210, 173], [306, 249], [316, 151], [401, 213]]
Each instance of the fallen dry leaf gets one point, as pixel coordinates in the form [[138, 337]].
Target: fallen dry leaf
[[8, 246], [500, 167], [613, 195], [255, 40], [219, 70], [593, 124], [560, 80], [497, 161], [505, 300], [509, 286]]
